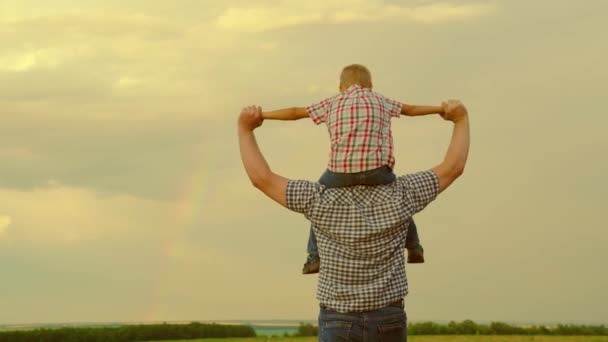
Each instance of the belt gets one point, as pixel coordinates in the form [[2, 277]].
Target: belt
[[397, 304]]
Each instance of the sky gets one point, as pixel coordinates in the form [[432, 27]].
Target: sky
[[123, 198]]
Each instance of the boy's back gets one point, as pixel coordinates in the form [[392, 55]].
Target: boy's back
[[359, 125]]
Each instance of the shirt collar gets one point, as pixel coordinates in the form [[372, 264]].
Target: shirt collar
[[353, 88]]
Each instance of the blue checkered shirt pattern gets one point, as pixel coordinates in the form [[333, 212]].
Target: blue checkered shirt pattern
[[361, 232]]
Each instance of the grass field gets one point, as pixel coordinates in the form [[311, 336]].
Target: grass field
[[429, 339]]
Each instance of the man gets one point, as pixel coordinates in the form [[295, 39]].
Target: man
[[360, 232]]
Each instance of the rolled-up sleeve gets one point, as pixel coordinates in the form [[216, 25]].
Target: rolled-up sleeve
[[301, 195], [418, 189], [318, 111], [392, 107]]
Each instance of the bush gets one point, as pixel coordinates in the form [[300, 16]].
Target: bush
[[129, 333], [307, 330]]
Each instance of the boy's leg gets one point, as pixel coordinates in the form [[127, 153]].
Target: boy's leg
[[379, 176], [312, 261], [415, 252], [312, 243], [412, 240]]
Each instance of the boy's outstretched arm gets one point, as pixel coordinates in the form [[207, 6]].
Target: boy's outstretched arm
[[414, 110], [293, 113]]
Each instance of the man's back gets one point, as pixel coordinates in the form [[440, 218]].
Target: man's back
[[361, 234]]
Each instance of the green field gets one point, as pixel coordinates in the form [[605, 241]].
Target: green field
[[427, 339]]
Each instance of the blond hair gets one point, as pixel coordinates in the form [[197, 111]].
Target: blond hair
[[355, 74]]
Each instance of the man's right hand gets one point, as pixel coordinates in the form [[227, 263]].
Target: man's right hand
[[454, 110]]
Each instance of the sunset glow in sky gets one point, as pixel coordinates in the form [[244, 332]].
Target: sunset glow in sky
[[123, 198]]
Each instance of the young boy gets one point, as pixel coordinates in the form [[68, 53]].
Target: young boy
[[359, 126]]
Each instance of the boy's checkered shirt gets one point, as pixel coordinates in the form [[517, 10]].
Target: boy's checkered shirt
[[359, 125], [361, 232]]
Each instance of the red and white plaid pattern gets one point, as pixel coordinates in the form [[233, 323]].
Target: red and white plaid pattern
[[359, 125]]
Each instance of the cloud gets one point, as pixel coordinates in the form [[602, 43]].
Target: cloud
[[263, 19], [102, 66], [49, 41], [436, 13], [63, 214], [17, 62], [69, 25], [287, 14], [5, 221], [17, 154]]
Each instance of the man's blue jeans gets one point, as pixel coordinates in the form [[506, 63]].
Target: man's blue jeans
[[380, 176], [384, 325]]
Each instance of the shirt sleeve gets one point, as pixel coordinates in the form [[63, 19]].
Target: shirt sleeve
[[301, 195], [392, 107], [318, 111], [418, 189]]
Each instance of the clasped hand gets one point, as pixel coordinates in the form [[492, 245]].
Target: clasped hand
[[250, 118]]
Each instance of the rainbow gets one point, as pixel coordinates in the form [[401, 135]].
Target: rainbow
[[189, 200]]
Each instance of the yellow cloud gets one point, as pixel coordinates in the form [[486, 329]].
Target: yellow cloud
[[67, 26], [49, 41], [64, 214], [288, 14], [17, 153], [5, 221], [126, 82], [438, 12], [30, 59], [262, 19]]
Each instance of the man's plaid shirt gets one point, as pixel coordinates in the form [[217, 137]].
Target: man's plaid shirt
[[359, 125], [361, 232]]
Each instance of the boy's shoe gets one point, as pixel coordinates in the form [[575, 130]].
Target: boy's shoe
[[311, 266], [415, 255]]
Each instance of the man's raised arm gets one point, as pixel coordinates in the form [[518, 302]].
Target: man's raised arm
[[260, 174], [456, 156]]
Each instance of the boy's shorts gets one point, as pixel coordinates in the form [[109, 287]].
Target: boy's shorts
[[380, 176]]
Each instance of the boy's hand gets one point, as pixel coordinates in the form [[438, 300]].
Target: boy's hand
[[444, 108], [250, 118], [454, 110]]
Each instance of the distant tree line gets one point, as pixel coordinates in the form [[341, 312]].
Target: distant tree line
[[468, 327], [198, 330], [129, 333], [307, 330]]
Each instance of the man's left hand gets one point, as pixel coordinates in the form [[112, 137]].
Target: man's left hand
[[250, 118]]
